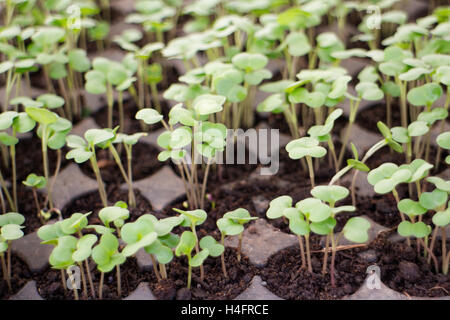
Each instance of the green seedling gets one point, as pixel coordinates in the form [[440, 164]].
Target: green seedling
[[155, 237], [52, 131], [128, 141], [207, 140], [309, 148], [71, 247], [189, 241], [108, 75], [312, 215], [232, 224], [436, 201], [359, 165], [386, 177], [10, 230], [147, 74], [84, 149], [441, 220], [107, 256], [115, 215], [443, 140], [367, 89], [17, 65], [192, 219], [405, 135], [36, 182], [323, 134], [252, 64], [19, 122]]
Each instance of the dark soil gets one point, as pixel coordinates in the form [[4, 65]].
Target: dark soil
[[28, 208], [29, 159], [406, 271], [50, 286], [20, 275], [92, 202], [295, 283], [214, 286], [144, 163]]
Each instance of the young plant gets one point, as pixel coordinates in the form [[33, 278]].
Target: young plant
[[359, 165], [107, 75], [232, 224], [71, 247], [36, 182], [53, 131], [367, 89], [10, 230], [84, 149], [128, 141], [443, 140], [323, 134], [107, 256], [309, 148], [19, 122], [207, 139], [155, 237], [188, 242], [192, 219]]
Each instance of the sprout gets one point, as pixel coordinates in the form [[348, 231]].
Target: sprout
[[107, 256], [443, 140], [68, 249], [306, 147], [107, 74], [312, 214], [208, 140], [10, 230], [128, 141], [140, 234], [322, 133], [187, 243], [53, 131], [192, 219], [386, 177], [20, 122], [405, 135], [36, 182], [84, 149], [232, 224]]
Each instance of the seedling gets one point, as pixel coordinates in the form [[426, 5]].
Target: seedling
[[192, 219], [84, 149], [232, 224], [312, 214], [107, 256], [128, 141], [207, 140], [71, 247], [10, 230], [105, 76], [309, 148], [53, 131], [443, 140], [323, 133], [367, 89], [20, 122], [36, 182], [405, 135]]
